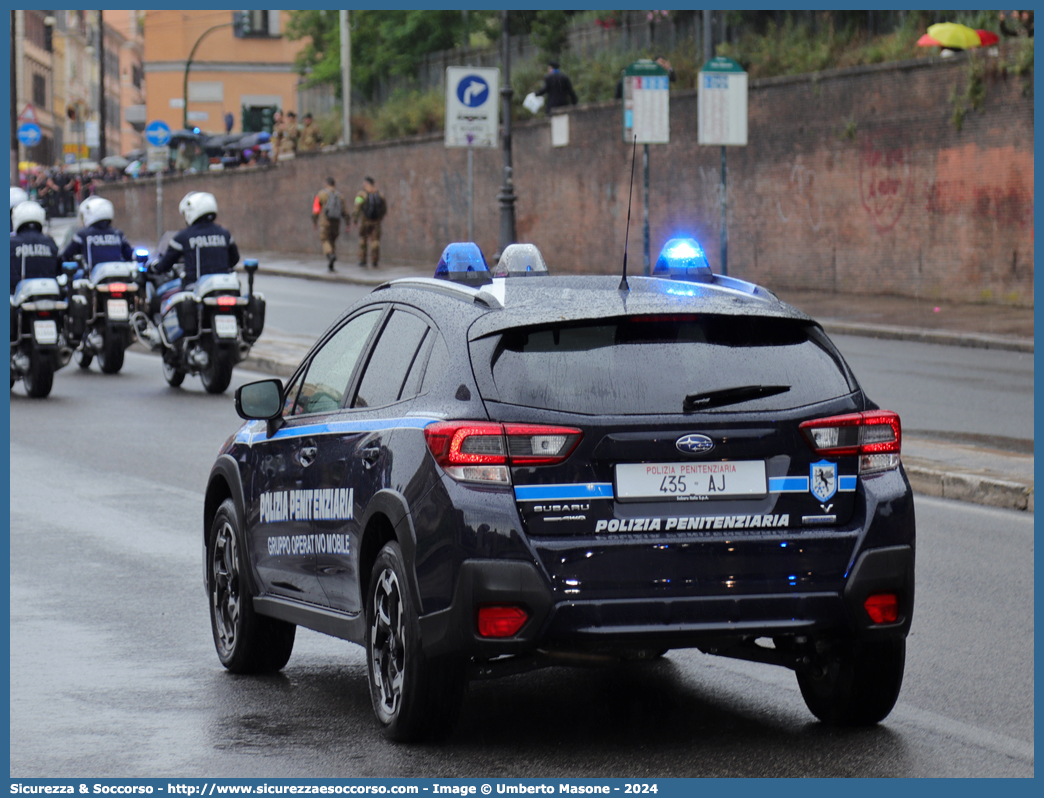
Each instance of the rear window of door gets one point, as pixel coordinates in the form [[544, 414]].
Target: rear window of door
[[395, 353]]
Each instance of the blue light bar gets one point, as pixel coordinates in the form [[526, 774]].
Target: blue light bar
[[683, 259], [463, 262], [521, 260]]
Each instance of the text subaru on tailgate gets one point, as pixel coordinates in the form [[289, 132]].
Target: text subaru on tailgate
[[476, 475]]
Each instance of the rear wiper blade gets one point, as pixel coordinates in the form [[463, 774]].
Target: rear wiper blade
[[730, 396]]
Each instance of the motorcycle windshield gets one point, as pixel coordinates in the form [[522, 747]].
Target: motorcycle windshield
[[35, 287], [113, 270], [209, 283]]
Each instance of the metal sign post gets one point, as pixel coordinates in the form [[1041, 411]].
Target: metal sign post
[[647, 119], [723, 122], [157, 133], [472, 118]]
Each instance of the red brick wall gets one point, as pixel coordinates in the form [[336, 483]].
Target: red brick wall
[[854, 181]]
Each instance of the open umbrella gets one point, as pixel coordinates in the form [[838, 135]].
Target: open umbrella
[[956, 37], [115, 161]]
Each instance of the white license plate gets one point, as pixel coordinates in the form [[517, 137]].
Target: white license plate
[[690, 481], [116, 309], [46, 332], [225, 326]]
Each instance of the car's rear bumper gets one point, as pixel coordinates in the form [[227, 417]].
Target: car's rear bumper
[[681, 622]]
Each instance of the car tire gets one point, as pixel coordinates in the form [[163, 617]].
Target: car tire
[[40, 377], [245, 641], [84, 358], [217, 374], [414, 697], [172, 374], [856, 684], [110, 358]]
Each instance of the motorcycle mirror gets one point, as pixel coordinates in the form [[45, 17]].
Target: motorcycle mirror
[[250, 265], [70, 267]]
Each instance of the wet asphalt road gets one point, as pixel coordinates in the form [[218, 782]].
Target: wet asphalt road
[[113, 671]]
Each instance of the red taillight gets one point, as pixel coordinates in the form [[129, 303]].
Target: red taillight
[[874, 435], [226, 301], [501, 620], [45, 314], [117, 288], [481, 451], [882, 607]]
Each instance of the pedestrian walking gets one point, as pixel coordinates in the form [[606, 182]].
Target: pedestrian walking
[[558, 88], [370, 208], [311, 137], [327, 212]]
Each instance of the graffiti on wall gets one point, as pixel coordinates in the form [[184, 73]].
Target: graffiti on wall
[[885, 183], [799, 200]]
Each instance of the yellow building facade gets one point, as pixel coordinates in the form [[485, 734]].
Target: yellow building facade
[[238, 75]]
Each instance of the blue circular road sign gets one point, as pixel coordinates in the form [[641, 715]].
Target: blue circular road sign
[[29, 134], [157, 132], [472, 91]]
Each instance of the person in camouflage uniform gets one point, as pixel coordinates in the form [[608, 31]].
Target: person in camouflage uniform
[[311, 139], [369, 210], [327, 212], [287, 135]]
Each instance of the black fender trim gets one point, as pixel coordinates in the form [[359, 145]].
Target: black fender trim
[[889, 569], [225, 470], [488, 582], [393, 506]]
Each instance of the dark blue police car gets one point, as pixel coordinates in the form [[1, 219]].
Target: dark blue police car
[[478, 474]]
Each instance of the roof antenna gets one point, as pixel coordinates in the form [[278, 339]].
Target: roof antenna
[[623, 283]]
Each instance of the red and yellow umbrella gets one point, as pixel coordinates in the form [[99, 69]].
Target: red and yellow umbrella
[[956, 37]]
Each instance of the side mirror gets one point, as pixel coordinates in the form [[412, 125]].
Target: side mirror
[[262, 400], [250, 265], [70, 267]]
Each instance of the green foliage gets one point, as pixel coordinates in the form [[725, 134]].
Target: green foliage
[[408, 113], [551, 33], [320, 58]]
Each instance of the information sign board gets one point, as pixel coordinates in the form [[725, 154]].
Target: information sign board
[[472, 106], [722, 103], [646, 103]]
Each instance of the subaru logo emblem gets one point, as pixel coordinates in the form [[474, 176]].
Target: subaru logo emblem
[[694, 444]]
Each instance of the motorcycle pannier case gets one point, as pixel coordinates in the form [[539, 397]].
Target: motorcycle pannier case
[[254, 321]]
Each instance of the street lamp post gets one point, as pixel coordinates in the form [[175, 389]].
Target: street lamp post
[[506, 197], [188, 65]]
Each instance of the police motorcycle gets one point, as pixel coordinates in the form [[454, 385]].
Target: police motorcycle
[[206, 330], [38, 306], [100, 309], [104, 290]]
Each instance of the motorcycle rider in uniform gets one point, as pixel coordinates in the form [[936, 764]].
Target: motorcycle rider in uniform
[[33, 252], [205, 247], [98, 241]]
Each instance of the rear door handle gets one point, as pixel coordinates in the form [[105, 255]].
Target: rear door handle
[[306, 456], [370, 455]]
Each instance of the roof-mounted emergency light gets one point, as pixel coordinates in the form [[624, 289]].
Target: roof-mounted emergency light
[[521, 260], [463, 262], [683, 259]]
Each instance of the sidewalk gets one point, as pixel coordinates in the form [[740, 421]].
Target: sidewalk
[[964, 472]]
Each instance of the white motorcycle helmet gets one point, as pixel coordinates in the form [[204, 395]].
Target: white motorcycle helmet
[[27, 212], [17, 195], [95, 209], [197, 204]]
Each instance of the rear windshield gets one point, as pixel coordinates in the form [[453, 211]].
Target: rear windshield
[[653, 364]]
